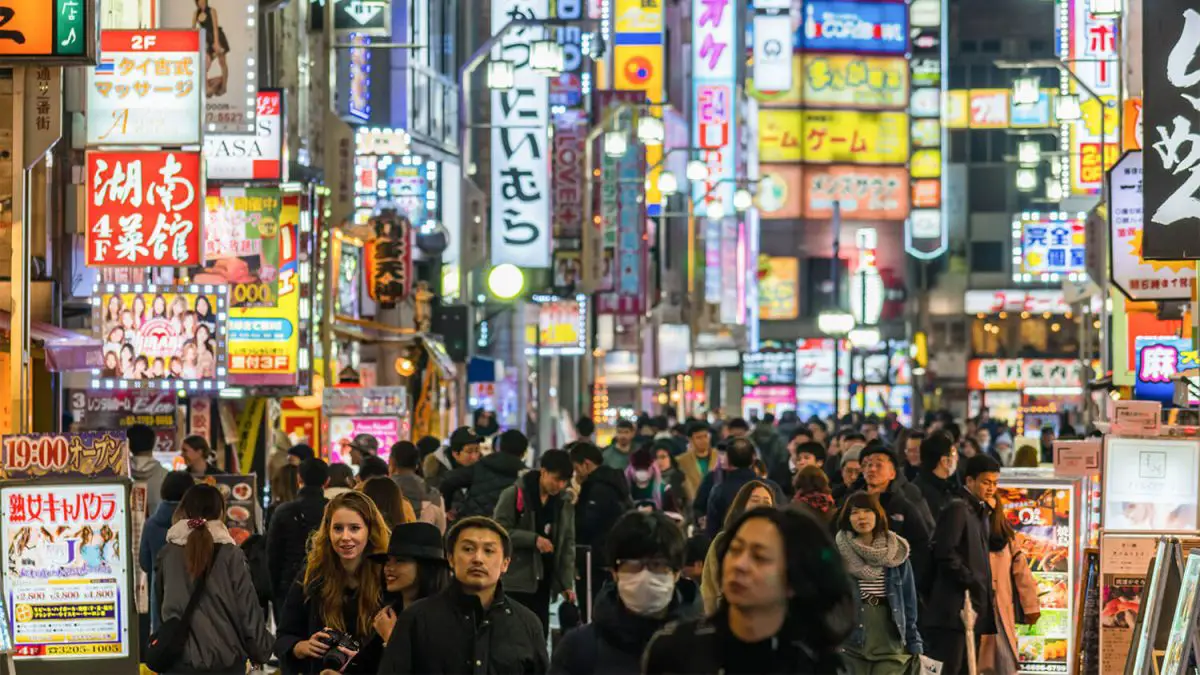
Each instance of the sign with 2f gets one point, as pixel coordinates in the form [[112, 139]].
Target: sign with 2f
[[366, 17]]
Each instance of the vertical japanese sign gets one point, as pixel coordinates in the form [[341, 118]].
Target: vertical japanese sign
[[925, 231], [570, 130], [144, 208], [714, 97], [147, 89], [1138, 279], [231, 49], [639, 65], [567, 89], [389, 260], [91, 454], [66, 579], [263, 343], [631, 246], [242, 244], [520, 159], [1089, 47], [1171, 32], [58, 30], [607, 199]]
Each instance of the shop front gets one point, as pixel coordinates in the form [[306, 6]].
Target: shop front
[[1029, 393], [769, 381]]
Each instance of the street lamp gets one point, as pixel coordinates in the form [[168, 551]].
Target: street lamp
[[864, 337], [1027, 179], [1025, 89], [547, 58], [742, 200], [650, 130], [835, 323], [1105, 9], [501, 75], [506, 281], [668, 184], [1067, 108], [1054, 191], [696, 170], [1029, 152], [714, 210], [615, 144]]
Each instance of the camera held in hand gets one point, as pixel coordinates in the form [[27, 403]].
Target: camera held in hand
[[336, 659]]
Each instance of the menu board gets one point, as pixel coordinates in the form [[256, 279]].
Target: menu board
[[343, 429], [1124, 561], [1041, 516], [65, 577], [1181, 643], [241, 507], [1151, 485]]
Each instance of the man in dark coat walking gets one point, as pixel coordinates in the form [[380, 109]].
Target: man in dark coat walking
[[293, 522], [487, 478], [961, 565], [603, 497], [937, 479]]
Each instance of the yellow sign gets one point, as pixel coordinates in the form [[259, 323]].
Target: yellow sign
[[833, 137], [855, 81], [958, 109], [779, 290], [638, 16], [926, 163]]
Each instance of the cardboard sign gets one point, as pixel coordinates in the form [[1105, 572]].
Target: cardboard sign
[[1076, 459], [1136, 418]]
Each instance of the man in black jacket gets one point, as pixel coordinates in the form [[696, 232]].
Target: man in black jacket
[[292, 523], [938, 480], [487, 478], [603, 497], [961, 565], [471, 627]]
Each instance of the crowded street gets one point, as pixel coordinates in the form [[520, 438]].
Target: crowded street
[[599, 337]]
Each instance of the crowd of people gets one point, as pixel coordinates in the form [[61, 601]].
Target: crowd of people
[[692, 547]]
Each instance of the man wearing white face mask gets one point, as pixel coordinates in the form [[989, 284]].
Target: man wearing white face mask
[[646, 554]]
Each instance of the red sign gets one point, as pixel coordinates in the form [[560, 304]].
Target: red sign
[[145, 208], [567, 178]]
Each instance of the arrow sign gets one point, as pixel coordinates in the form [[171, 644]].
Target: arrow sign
[[366, 17]]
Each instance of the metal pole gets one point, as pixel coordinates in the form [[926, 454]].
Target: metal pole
[[833, 273], [18, 373]]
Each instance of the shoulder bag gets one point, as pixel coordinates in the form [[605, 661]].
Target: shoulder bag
[[167, 643]]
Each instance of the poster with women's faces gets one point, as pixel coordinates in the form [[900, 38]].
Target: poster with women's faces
[[230, 48], [161, 337]]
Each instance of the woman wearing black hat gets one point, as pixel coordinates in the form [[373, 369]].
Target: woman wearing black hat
[[414, 567]]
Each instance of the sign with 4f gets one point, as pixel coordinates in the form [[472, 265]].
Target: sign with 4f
[[144, 209]]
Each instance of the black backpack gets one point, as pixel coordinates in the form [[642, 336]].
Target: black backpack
[[167, 643]]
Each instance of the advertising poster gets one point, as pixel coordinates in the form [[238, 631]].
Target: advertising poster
[[94, 454], [408, 188], [145, 208], [348, 259], [570, 130], [138, 507], [833, 136], [1124, 562], [264, 341], [561, 325], [66, 577], [241, 505], [854, 81], [792, 97], [1046, 245], [230, 48], [241, 244], [1150, 485], [154, 338], [1156, 361], [1137, 278], [343, 429], [1042, 519], [102, 410], [1183, 622], [245, 157], [779, 290]]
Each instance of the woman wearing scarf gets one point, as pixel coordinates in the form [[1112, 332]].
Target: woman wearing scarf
[[813, 491], [886, 637]]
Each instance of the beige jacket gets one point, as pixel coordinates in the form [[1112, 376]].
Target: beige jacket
[[710, 585], [690, 467], [1009, 568]]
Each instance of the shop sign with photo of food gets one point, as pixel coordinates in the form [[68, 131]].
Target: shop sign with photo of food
[[241, 510]]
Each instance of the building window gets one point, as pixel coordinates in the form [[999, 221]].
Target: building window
[[990, 47], [968, 47], [987, 256]]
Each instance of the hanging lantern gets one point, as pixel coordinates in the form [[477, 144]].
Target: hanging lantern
[[389, 259]]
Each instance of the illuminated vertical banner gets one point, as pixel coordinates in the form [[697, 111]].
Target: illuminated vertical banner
[[925, 231], [714, 92], [520, 153], [1089, 47], [638, 65]]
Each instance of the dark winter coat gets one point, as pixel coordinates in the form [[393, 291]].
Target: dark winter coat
[[723, 494], [772, 449], [614, 642], [913, 494], [301, 618], [516, 511], [905, 520], [603, 497], [937, 492], [484, 481], [695, 647], [154, 537], [228, 626], [451, 633], [287, 539], [961, 562]]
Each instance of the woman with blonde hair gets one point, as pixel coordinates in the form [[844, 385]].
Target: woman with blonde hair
[[329, 611], [754, 494]]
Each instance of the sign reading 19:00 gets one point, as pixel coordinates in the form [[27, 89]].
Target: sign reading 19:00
[[45, 28]]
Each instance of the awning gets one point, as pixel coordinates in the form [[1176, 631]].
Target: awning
[[65, 349]]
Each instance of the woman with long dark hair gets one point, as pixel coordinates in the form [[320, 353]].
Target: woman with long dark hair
[[227, 628], [786, 603], [217, 46], [340, 591], [1012, 582], [414, 568], [391, 503], [754, 494]]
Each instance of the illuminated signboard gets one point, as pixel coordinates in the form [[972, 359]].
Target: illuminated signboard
[[1088, 46], [556, 325], [49, 31], [1049, 247], [847, 26], [250, 157], [231, 40], [714, 97], [864, 192], [833, 136]]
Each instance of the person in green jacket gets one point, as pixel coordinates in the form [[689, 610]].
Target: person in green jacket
[[541, 523], [617, 454]]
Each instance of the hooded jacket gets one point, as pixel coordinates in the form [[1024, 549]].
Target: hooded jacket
[[613, 643], [146, 468], [154, 537], [516, 511], [287, 540], [426, 501], [484, 481], [437, 466], [603, 497], [228, 626], [451, 632], [771, 446]]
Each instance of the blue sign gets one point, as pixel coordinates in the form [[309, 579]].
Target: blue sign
[[848, 26], [1034, 115], [1156, 360]]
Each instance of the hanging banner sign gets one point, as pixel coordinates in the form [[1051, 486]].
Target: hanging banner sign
[[147, 89], [250, 157], [91, 454], [1091, 54], [715, 29], [1138, 279], [144, 208], [49, 31], [570, 130]]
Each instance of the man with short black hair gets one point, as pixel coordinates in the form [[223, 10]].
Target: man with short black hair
[[542, 526], [771, 447], [698, 461], [912, 454], [484, 480], [462, 451], [585, 428], [616, 455], [738, 428], [291, 525], [937, 481], [961, 566], [502, 636], [371, 467], [142, 464], [716, 496], [603, 497], [426, 501]]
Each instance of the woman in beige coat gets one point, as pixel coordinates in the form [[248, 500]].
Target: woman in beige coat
[[1010, 574]]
